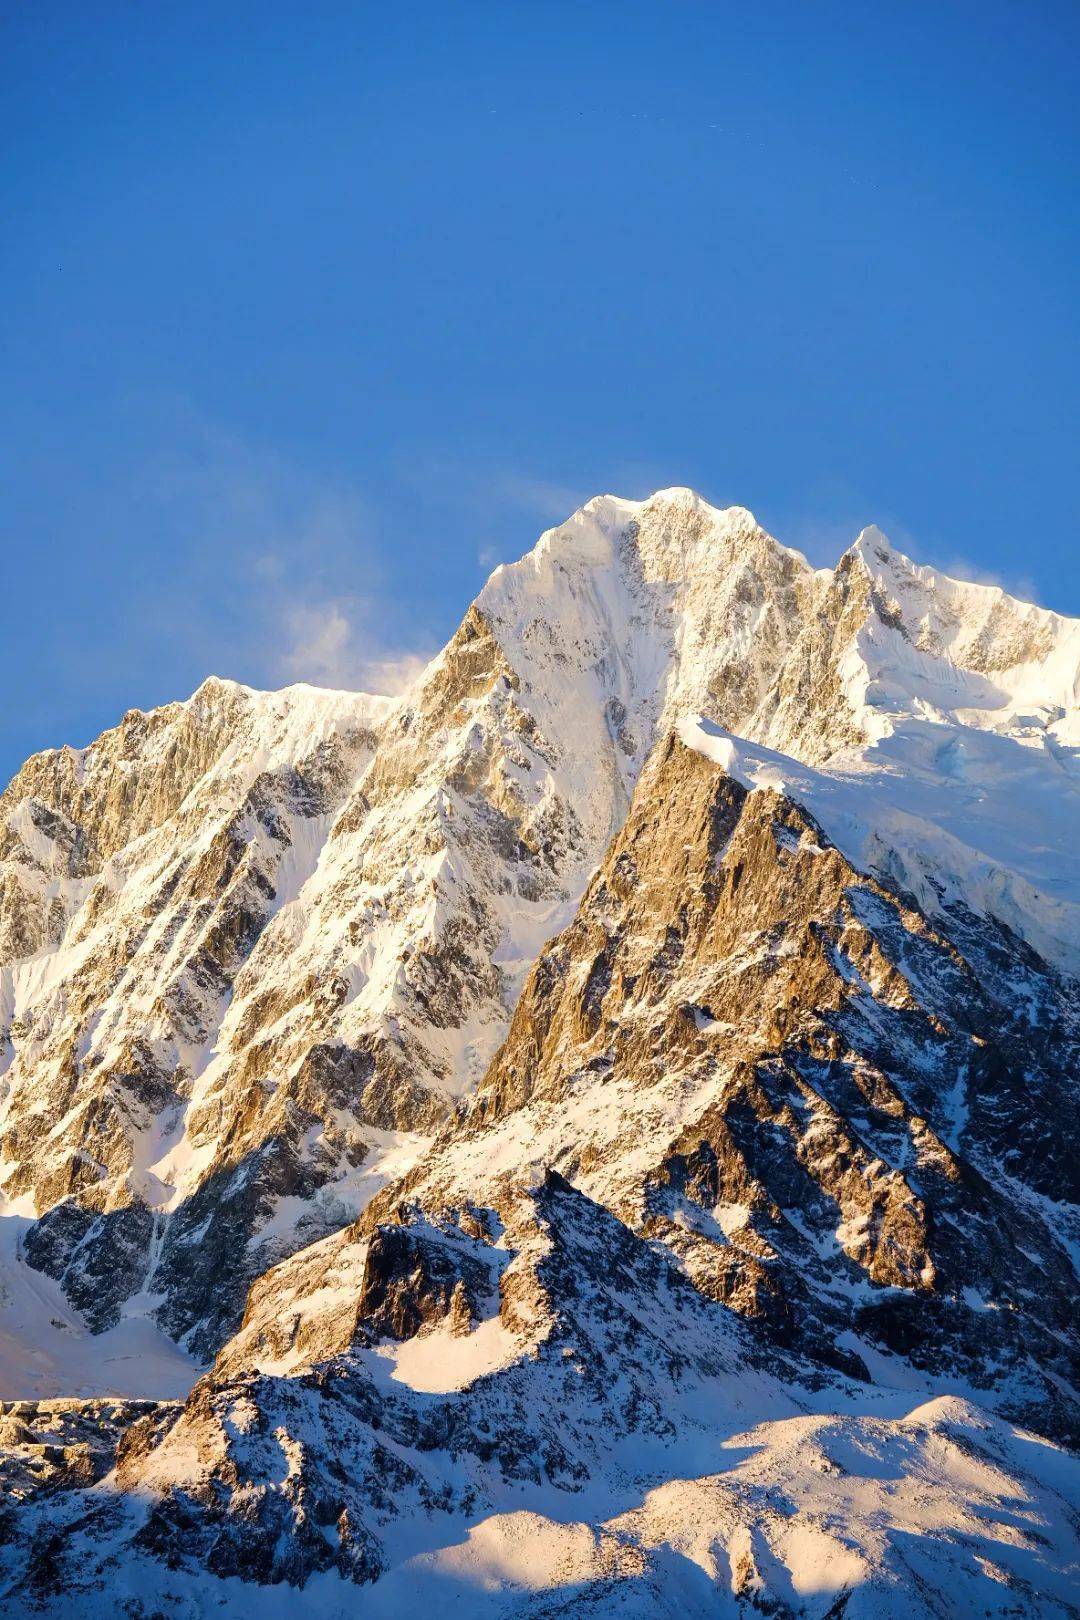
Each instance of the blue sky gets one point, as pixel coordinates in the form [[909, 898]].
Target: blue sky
[[309, 313]]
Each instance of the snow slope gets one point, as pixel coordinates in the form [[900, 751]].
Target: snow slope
[[46, 1348], [951, 812]]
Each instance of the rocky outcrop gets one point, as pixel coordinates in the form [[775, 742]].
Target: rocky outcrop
[[66, 1445], [611, 1372], [109, 1031]]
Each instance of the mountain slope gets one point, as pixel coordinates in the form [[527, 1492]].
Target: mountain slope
[[657, 1025], [699, 1226], [326, 1015]]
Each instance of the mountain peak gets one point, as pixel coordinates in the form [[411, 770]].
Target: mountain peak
[[683, 495], [874, 548], [623, 509]]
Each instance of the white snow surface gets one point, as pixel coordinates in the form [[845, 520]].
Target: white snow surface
[[951, 813], [898, 1512], [47, 1350], [438, 1361]]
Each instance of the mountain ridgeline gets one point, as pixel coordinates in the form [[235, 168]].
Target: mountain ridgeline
[[597, 1133]]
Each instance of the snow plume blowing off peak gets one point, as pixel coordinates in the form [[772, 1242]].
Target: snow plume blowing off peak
[[497, 1140]]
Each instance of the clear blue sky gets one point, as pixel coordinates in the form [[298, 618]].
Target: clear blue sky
[[311, 311]]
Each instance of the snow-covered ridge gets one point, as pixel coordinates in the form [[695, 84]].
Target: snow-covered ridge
[[953, 705], [298, 704], [941, 644], [951, 814]]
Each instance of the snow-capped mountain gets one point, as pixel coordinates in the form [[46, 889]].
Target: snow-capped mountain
[[603, 1114]]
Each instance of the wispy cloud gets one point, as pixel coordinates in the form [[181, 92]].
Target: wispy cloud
[[505, 508], [330, 643], [393, 674], [1022, 586], [519, 492], [277, 574], [320, 645]]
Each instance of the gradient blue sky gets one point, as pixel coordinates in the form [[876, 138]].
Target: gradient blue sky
[[310, 313]]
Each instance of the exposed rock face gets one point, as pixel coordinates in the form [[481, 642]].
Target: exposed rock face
[[185, 832], [859, 1112], [781, 1132], [601, 1371], [48, 1446]]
